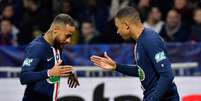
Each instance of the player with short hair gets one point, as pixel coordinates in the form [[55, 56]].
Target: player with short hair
[[43, 67], [152, 63]]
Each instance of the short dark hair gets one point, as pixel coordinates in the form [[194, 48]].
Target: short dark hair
[[174, 10], [65, 19], [7, 19], [150, 10], [128, 12], [87, 21]]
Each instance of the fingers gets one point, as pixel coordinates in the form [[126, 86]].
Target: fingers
[[99, 64], [73, 81], [97, 59], [60, 70], [69, 80], [70, 83], [66, 66], [66, 70], [74, 84], [105, 54], [64, 75], [100, 59], [77, 83]]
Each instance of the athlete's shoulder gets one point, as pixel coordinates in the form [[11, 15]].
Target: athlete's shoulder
[[151, 37], [150, 34], [36, 47]]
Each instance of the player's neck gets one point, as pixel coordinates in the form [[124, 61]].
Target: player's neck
[[48, 38], [136, 32]]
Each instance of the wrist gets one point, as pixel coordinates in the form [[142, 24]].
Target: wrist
[[115, 67], [118, 66]]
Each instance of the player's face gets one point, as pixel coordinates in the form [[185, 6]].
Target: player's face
[[63, 36], [122, 29]]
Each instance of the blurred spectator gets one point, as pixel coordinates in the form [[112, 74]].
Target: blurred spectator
[[195, 3], [154, 20], [183, 7], [33, 17], [96, 11], [35, 21], [65, 6], [196, 28], [12, 11], [88, 33], [143, 7], [174, 30], [116, 5], [110, 35], [6, 35], [164, 5], [8, 13]]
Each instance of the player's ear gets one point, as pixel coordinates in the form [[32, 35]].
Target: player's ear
[[126, 24], [68, 27], [55, 29]]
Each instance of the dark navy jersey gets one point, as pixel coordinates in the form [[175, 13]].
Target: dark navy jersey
[[153, 68], [39, 57]]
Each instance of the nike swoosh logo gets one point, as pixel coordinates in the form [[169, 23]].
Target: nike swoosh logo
[[49, 59]]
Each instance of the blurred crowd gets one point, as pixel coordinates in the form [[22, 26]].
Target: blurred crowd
[[22, 20]]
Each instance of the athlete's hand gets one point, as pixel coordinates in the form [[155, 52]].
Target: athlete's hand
[[73, 81], [61, 71], [104, 62]]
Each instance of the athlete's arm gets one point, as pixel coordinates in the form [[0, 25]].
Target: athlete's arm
[[158, 56], [130, 70], [28, 73]]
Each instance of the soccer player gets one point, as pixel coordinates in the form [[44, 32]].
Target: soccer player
[[152, 64], [43, 67]]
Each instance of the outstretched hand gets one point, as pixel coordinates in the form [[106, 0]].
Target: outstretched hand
[[103, 62]]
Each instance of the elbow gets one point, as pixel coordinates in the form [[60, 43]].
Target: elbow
[[171, 78], [22, 79], [168, 77]]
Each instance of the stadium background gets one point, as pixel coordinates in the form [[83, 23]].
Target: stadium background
[[177, 21]]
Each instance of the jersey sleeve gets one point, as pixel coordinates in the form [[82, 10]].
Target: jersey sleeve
[[64, 59], [156, 51], [28, 73], [130, 70]]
